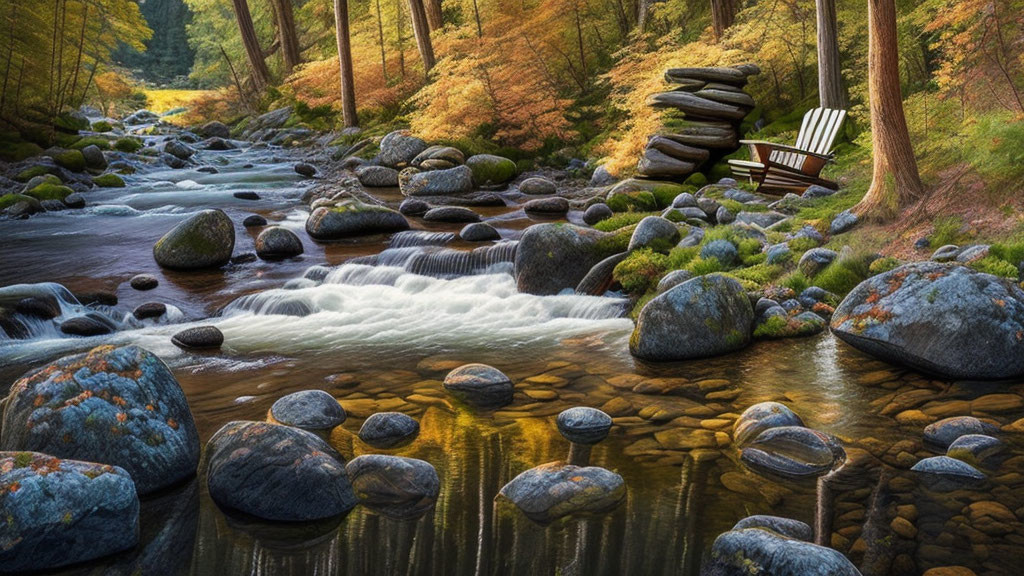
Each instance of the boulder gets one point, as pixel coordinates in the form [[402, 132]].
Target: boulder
[[60, 512], [696, 107], [399, 148], [413, 207], [246, 195], [596, 213], [277, 473], [397, 487], [939, 318], [198, 338], [449, 182], [537, 185], [117, 406], [946, 253], [583, 425], [601, 277], [765, 552], [553, 206], [490, 170], [760, 219], [214, 129], [553, 256], [305, 169], [480, 385], [816, 191], [179, 149], [722, 250], [674, 149], [254, 221], [389, 430], [219, 145], [792, 452], [455, 214], [555, 490], [446, 154], [94, 157], [760, 417], [656, 233], [377, 176], [276, 242], [842, 222], [733, 76], [978, 450], [699, 318], [204, 240], [479, 232], [312, 410], [656, 164], [353, 218]]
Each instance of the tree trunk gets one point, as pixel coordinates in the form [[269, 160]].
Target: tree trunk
[[348, 89], [383, 54], [831, 91], [422, 31], [434, 14], [260, 73], [401, 40], [476, 14], [723, 12], [895, 182], [643, 14], [287, 35], [579, 39]]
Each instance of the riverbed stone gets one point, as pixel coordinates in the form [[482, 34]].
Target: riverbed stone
[[479, 232], [312, 410], [447, 155], [399, 148], [490, 170], [89, 324], [554, 256], [277, 473], [389, 430], [943, 474], [144, 282], [94, 157], [978, 450], [793, 452], [377, 176], [413, 207], [449, 182], [61, 512], [943, 319], [760, 417], [199, 338], [480, 385], [179, 149], [700, 318], [305, 169], [353, 218], [149, 310], [118, 406], [395, 486], [214, 129], [276, 242], [555, 490], [656, 233], [537, 185], [554, 206], [762, 551], [451, 214], [584, 425], [254, 221], [596, 213], [943, 433], [204, 240]]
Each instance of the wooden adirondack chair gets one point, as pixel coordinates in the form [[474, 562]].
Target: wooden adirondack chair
[[777, 168]]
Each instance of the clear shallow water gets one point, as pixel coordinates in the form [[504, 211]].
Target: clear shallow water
[[380, 338]]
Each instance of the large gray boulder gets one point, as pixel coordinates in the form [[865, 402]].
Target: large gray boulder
[[943, 319], [399, 148], [117, 406], [353, 218], [395, 486], [762, 551], [702, 317], [553, 256], [449, 182], [277, 473], [59, 512], [204, 240]]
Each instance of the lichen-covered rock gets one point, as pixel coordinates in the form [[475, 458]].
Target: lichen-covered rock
[[399, 148], [783, 526], [277, 473], [761, 417], [480, 384], [722, 250], [815, 260], [765, 552], [555, 490], [489, 169], [975, 449], [553, 256], [312, 410], [792, 452], [60, 512], [939, 318], [584, 425], [353, 218], [673, 279], [447, 182], [943, 474], [204, 240], [276, 242], [395, 486], [656, 233], [702, 317], [118, 406], [389, 429]]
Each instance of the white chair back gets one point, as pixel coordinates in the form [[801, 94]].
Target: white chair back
[[818, 132]]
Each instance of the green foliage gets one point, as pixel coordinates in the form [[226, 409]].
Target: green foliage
[[795, 281], [773, 327], [696, 180], [947, 230], [14, 149], [759, 274], [8, 200], [700, 267], [70, 159], [843, 274], [31, 172], [1012, 252], [621, 220], [802, 244], [48, 191], [679, 257], [615, 243], [108, 180], [637, 201], [128, 144], [101, 126], [100, 141], [828, 207], [883, 265], [641, 270], [996, 266], [664, 194]]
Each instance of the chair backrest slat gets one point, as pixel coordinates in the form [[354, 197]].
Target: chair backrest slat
[[818, 132]]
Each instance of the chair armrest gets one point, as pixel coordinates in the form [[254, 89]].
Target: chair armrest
[[771, 146]]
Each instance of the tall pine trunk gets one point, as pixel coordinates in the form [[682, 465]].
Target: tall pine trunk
[[260, 73], [831, 91], [723, 12], [399, 30], [287, 34], [383, 54], [643, 14], [422, 31], [895, 182], [434, 14], [348, 89]]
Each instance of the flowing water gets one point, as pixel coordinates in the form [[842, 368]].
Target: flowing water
[[378, 322]]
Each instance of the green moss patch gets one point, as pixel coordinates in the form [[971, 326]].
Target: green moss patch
[[108, 180], [49, 191], [30, 173], [641, 270], [8, 200], [634, 201], [101, 126], [128, 144], [102, 142], [70, 159], [621, 220]]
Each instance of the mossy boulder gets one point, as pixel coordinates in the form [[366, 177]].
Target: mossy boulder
[[702, 317], [108, 180], [48, 191], [662, 193], [353, 218], [204, 240], [631, 201], [16, 151], [553, 256], [128, 144], [102, 126], [10, 200], [944, 319], [489, 169], [101, 142], [32, 172], [71, 122], [70, 159]]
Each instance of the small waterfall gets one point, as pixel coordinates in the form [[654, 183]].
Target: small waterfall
[[411, 238], [439, 262], [19, 325]]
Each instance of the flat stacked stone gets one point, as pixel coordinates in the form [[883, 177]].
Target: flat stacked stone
[[713, 103]]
